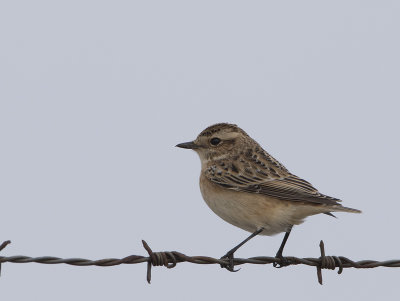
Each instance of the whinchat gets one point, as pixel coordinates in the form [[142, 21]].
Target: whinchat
[[248, 188]]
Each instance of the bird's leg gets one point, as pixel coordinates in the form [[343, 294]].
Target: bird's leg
[[284, 261], [230, 253]]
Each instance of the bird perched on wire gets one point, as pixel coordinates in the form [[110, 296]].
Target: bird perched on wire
[[248, 188]]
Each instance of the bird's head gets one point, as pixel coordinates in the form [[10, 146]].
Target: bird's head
[[218, 141]]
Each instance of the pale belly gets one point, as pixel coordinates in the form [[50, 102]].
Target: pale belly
[[252, 212]]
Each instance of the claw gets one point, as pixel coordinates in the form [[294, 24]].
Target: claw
[[230, 266], [284, 261]]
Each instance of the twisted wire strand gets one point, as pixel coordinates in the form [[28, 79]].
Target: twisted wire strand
[[170, 259]]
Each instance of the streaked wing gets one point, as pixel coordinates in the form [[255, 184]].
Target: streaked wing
[[261, 177]]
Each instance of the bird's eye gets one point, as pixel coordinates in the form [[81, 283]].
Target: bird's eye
[[215, 141]]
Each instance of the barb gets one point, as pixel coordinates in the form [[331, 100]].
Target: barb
[[171, 258], [2, 246]]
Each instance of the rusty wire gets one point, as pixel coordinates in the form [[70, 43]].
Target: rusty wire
[[172, 258]]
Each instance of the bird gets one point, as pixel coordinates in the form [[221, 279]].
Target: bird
[[248, 188]]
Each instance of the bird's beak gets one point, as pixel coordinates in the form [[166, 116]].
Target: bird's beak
[[188, 145]]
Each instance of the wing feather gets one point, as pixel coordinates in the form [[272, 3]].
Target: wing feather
[[258, 175]]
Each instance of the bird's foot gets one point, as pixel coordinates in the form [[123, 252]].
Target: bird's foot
[[230, 265], [283, 261]]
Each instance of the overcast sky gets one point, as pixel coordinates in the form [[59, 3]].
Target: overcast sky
[[95, 94]]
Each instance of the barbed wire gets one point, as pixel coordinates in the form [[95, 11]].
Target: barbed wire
[[170, 259]]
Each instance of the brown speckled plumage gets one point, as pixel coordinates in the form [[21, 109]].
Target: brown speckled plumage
[[248, 188]]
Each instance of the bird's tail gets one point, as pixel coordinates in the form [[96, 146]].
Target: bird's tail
[[340, 208]]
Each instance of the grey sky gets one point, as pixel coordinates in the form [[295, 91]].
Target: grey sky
[[95, 94]]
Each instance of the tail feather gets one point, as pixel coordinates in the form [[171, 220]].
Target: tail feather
[[340, 208], [330, 214]]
